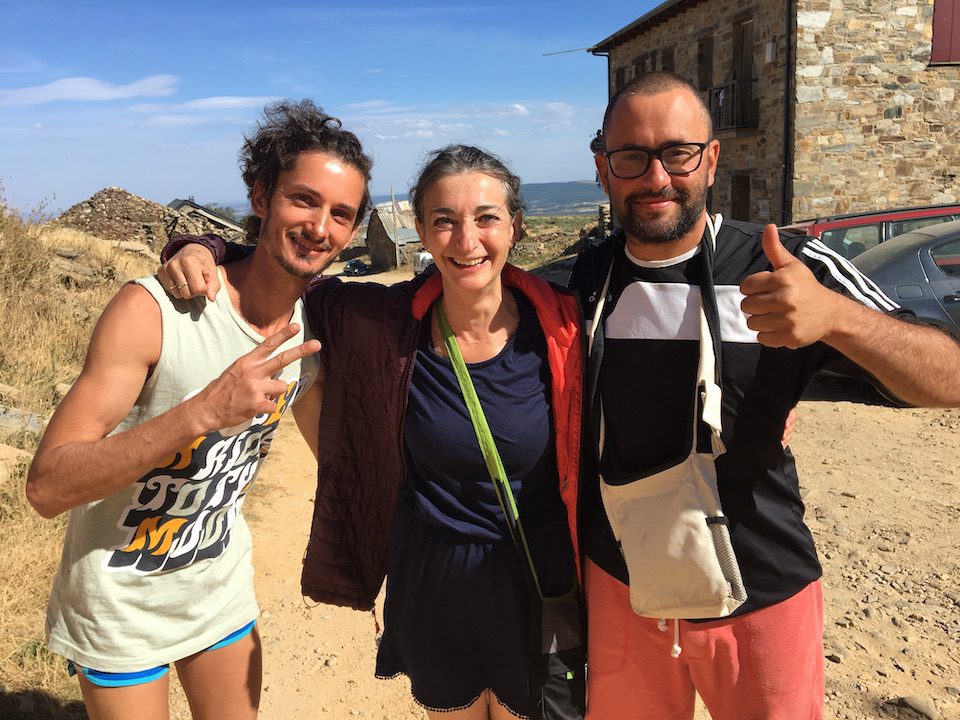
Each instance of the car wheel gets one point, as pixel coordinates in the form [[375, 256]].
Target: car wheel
[[889, 397]]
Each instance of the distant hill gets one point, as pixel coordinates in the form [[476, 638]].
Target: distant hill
[[567, 198], [579, 197]]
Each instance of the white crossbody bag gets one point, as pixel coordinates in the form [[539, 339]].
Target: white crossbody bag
[[670, 525]]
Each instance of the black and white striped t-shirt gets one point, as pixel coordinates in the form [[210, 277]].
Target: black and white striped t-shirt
[[647, 382]]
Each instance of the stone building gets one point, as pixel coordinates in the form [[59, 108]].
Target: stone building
[[821, 106]]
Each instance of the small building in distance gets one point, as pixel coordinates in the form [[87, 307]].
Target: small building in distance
[[821, 108], [229, 228], [392, 234]]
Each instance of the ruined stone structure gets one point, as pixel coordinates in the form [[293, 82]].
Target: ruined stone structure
[[204, 214], [117, 215], [821, 106], [390, 225]]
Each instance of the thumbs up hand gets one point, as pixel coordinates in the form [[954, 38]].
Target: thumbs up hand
[[787, 306], [773, 248]]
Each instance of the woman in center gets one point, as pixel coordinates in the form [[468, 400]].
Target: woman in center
[[456, 617]]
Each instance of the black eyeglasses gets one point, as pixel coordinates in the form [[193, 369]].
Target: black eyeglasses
[[676, 158]]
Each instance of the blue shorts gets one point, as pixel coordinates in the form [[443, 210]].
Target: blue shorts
[[101, 678]]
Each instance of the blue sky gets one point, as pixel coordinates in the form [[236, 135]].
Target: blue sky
[[154, 98]]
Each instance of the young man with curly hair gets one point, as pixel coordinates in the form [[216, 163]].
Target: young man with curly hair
[[157, 443]]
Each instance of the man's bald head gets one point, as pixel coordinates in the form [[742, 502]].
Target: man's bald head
[[657, 83]]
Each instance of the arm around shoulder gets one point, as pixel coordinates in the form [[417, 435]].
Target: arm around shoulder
[[190, 264]]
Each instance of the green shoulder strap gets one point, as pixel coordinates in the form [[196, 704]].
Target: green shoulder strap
[[487, 445]]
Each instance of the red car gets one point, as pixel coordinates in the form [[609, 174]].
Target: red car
[[852, 234]]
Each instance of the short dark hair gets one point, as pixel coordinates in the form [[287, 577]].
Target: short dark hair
[[459, 159], [288, 129], [654, 83]]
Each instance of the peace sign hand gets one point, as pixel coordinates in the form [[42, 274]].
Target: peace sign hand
[[250, 387]]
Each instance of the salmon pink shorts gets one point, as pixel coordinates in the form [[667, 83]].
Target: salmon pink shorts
[[764, 665]]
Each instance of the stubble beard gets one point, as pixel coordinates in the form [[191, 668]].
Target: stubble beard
[[690, 206], [297, 271]]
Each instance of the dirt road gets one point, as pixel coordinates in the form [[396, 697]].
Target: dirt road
[[883, 500]]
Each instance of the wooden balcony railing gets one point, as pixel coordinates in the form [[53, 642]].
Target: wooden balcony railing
[[733, 105]]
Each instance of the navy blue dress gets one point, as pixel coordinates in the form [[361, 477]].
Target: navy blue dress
[[457, 609]]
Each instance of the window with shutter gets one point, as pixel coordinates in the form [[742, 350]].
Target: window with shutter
[[946, 32]]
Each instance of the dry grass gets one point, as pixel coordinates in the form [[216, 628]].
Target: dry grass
[[46, 329], [46, 323], [549, 239], [27, 564], [564, 224], [103, 256]]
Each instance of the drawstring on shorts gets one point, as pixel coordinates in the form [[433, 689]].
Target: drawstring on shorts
[[662, 627]]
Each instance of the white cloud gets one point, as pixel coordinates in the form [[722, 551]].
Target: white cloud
[[453, 127], [215, 103], [83, 89], [226, 102], [418, 127], [367, 105], [553, 126], [173, 120], [147, 108], [373, 71], [560, 109]]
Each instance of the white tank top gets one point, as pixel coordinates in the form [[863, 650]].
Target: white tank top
[[161, 569]]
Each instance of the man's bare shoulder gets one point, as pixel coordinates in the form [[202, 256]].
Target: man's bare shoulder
[[130, 324]]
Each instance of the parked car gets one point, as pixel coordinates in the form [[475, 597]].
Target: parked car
[[855, 233], [356, 267], [920, 271], [421, 261]]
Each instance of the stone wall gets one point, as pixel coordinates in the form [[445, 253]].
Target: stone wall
[[754, 156], [117, 215], [877, 127]]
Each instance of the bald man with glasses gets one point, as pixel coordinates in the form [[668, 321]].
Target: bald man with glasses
[[701, 575]]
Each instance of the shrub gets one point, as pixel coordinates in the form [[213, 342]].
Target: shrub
[[47, 327]]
